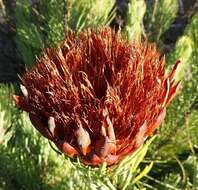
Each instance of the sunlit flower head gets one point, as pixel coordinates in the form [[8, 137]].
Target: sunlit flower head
[[97, 96]]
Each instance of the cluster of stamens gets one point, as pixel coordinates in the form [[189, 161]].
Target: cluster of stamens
[[97, 96]]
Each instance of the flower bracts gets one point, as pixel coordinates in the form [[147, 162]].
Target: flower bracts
[[97, 96]]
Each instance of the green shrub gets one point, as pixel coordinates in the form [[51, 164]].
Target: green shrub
[[28, 160]]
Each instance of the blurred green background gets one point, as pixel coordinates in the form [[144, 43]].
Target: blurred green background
[[27, 160]]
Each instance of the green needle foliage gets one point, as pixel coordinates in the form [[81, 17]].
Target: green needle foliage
[[186, 101], [178, 135], [159, 16], [43, 24], [94, 13], [183, 51], [134, 22], [53, 14], [29, 37]]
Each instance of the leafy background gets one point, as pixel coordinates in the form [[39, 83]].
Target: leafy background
[[28, 161]]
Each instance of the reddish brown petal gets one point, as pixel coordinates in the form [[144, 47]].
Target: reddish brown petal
[[156, 123], [140, 137], [40, 126], [111, 159], [83, 140], [20, 102], [95, 160], [173, 71], [173, 92], [67, 149], [105, 146]]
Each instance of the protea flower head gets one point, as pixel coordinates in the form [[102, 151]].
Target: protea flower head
[[96, 96]]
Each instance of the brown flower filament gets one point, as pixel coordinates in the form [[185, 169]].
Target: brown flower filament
[[97, 96]]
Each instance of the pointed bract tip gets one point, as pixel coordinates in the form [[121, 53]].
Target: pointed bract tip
[[24, 90]]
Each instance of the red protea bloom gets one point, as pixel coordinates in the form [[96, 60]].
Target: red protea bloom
[[97, 96]]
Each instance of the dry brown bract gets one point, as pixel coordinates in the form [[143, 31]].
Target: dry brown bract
[[97, 96]]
